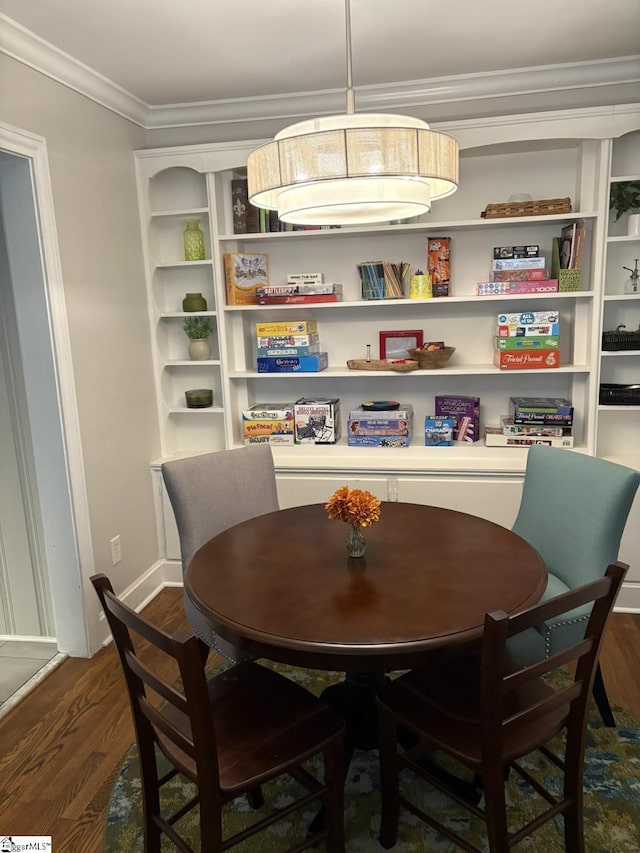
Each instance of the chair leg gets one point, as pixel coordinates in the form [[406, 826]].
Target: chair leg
[[389, 781], [334, 778], [602, 700], [573, 829], [255, 798], [573, 795], [496, 809]]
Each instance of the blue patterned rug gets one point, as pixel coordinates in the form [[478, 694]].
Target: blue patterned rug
[[611, 801]]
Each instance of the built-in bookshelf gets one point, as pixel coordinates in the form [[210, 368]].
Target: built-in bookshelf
[[555, 155], [618, 435]]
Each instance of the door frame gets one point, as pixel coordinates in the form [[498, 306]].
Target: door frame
[[71, 561]]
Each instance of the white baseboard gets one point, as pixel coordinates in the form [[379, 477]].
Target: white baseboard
[[144, 589], [628, 598]]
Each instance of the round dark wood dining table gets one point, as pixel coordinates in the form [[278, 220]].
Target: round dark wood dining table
[[281, 585]]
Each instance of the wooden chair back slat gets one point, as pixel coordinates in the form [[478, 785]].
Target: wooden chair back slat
[[508, 714], [250, 706]]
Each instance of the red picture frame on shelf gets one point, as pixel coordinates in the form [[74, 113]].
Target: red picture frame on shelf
[[396, 344]]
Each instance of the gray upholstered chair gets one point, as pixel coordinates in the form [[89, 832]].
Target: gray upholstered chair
[[211, 493], [573, 511]]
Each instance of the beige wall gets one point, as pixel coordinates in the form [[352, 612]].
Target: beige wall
[[94, 193]]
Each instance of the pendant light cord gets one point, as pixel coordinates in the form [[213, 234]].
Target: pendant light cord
[[350, 93]]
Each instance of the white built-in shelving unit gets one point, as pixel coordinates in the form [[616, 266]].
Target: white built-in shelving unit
[[549, 155], [619, 425]]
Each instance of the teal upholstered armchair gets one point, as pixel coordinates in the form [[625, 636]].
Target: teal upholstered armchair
[[210, 493], [573, 511]]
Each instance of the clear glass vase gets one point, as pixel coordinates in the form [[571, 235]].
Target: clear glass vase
[[356, 543], [193, 241]]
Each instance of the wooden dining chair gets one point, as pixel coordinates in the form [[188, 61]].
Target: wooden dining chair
[[573, 512], [210, 493], [228, 735], [487, 714]]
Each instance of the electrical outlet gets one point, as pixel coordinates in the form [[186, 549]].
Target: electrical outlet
[[116, 550]]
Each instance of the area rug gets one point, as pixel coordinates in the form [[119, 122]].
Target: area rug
[[611, 802]]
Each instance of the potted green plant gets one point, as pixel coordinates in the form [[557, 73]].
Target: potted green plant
[[198, 329], [625, 198]]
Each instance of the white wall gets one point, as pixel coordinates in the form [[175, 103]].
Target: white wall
[[94, 195]]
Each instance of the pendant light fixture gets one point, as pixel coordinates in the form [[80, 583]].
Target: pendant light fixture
[[354, 168]]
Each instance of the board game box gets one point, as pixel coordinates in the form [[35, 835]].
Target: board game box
[[286, 327], [379, 426], [378, 440], [244, 273], [438, 432], [525, 406], [268, 411], [294, 364], [532, 342], [317, 420], [466, 414], [537, 359]]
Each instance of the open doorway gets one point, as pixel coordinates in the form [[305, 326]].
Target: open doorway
[[27, 630], [25, 602], [43, 517]]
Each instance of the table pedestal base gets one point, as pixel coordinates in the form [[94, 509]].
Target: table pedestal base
[[354, 699]]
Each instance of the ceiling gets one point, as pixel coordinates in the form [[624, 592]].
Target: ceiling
[[157, 54]]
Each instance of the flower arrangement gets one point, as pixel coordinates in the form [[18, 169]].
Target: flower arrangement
[[355, 506]]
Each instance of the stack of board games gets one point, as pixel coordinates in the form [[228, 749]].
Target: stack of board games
[[317, 420], [368, 427], [300, 288], [527, 340], [517, 269], [289, 347], [268, 423], [534, 420], [465, 412]]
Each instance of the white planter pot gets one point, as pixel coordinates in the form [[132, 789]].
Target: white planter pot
[[633, 225], [199, 349]]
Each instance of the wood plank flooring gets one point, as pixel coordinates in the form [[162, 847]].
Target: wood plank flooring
[[61, 747]]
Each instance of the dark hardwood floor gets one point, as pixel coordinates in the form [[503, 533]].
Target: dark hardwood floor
[[61, 747]]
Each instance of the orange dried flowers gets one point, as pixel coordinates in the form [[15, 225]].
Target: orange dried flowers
[[354, 506]]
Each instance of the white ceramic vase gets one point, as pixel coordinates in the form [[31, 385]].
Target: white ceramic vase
[[633, 225], [199, 349]]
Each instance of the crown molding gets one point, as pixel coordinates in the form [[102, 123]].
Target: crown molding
[[24, 46]]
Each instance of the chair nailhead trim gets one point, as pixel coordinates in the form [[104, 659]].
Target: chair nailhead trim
[[213, 645], [549, 628]]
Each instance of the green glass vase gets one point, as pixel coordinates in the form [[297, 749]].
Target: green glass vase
[[194, 302], [193, 241]]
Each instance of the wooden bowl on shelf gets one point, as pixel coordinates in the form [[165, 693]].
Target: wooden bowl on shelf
[[432, 359], [381, 364]]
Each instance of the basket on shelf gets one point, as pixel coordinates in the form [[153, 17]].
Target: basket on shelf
[[568, 279], [539, 207], [432, 359], [619, 340], [612, 394]]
